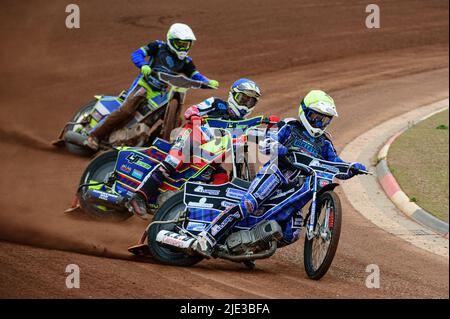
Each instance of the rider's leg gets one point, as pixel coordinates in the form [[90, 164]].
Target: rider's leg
[[174, 160], [117, 118], [220, 176], [292, 228], [268, 179], [149, 186]]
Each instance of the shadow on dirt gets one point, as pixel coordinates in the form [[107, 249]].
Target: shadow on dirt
[[26, 139]]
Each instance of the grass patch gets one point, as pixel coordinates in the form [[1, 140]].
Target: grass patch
[[419, 160]]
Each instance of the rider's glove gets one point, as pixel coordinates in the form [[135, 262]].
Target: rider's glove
[[145, 70], [271, 147], [357, 166], [213, 83]]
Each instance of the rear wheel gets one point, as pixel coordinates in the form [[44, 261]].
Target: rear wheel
[[156, 122], [98, 171], [170, 210], [319, 251], [73, 148], [171, 118]]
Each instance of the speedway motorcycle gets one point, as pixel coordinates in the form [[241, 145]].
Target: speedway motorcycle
[[181, 218], [112, 177], [155, 117]]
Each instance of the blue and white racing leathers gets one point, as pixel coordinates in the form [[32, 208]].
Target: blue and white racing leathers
[[289, 136]]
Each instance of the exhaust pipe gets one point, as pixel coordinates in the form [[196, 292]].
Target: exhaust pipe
[[173, 240], [97, 197], [74, 138]]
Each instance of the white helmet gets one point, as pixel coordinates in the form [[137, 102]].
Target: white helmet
[[180, 38], [242, 97], [316, 111]]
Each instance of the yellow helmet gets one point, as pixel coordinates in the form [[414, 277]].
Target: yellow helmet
[[316, 111]]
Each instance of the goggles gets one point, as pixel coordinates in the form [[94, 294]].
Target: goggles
[[244, 99], [181, 45], [317, 120]]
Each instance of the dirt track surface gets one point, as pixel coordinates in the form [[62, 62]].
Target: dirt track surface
[[288, 47]]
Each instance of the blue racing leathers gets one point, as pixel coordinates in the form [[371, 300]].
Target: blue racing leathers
[[160, 57], [289, 136]]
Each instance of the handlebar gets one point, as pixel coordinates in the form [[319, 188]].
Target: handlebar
[[179, 80], [308, 163], [356, 171], [305, 169], [242, 125]]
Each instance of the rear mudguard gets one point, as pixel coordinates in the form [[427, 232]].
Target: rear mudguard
[[103, 108]]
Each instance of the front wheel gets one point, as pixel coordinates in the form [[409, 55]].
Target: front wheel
[[319, 251], [97, 172], [170, 210]]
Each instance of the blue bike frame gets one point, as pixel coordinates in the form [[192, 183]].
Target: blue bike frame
[[205, 202]]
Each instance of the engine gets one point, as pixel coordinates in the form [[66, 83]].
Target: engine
[[254, 240]]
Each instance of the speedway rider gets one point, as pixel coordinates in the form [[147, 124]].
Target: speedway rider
[[172, 56], [316, 111], [242, 98]]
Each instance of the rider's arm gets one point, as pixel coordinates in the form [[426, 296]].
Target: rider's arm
[[273, 144], [190, 70], [196, 111], [199, 77], [138, 56], [331, 155], [204, 109], [191, 112]]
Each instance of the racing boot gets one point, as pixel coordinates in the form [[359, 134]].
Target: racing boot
[[138, 205], [220, 226], [148, 187], [204, 245], [91, 142]]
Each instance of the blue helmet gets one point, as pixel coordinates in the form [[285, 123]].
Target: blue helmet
[[242, 98]]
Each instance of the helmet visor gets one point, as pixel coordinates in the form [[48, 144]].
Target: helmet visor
[[245, 100], [182, 45], [318, 120]]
